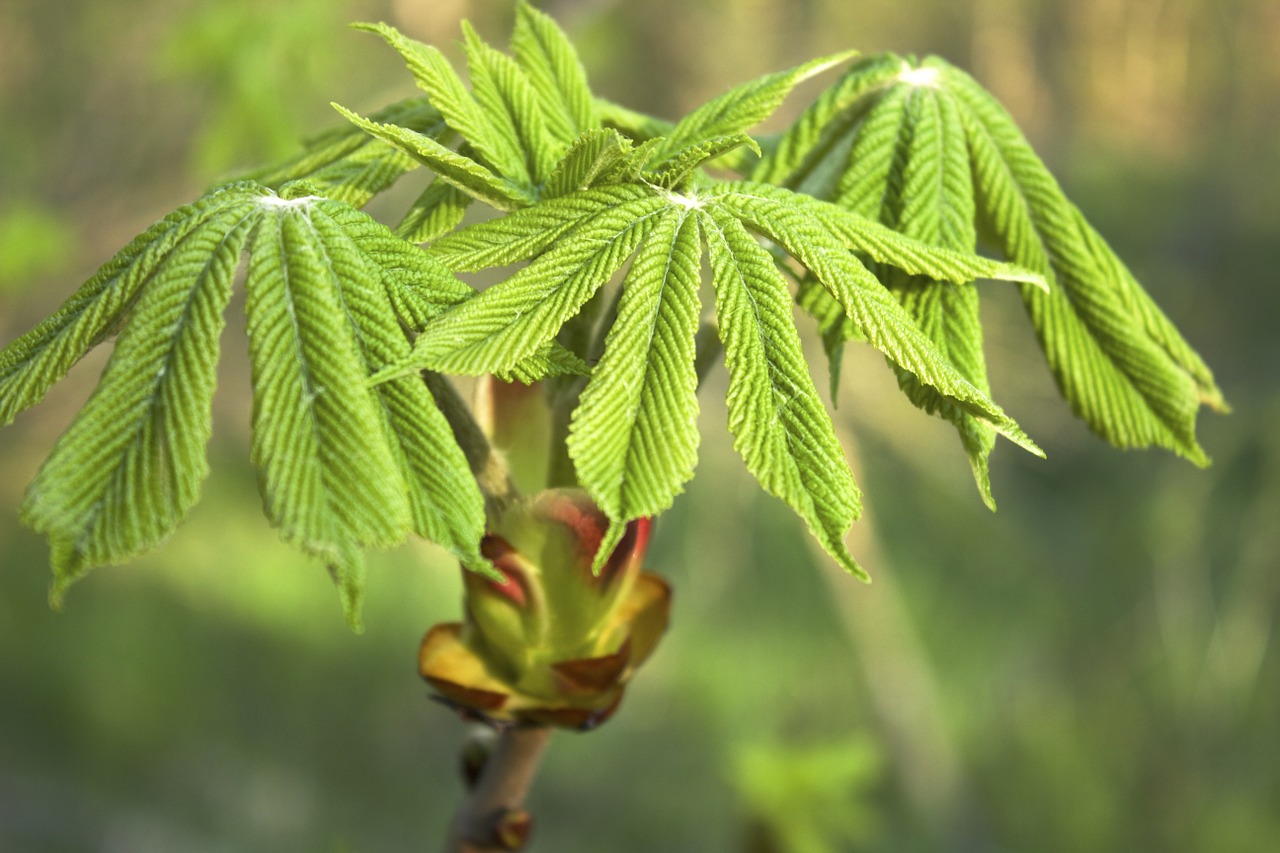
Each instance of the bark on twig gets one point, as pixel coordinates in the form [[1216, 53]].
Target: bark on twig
[[498, 796]]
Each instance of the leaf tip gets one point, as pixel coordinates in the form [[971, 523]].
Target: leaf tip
[[846, 561], [379, 27], [349, 576], [608, 542]]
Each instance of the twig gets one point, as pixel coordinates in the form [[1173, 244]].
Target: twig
[[492, 818]]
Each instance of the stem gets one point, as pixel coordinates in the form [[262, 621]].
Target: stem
[[488, 467], [501, 789]]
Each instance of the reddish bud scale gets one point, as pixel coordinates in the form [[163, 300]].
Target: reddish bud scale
[[563, 658], [504, 559]]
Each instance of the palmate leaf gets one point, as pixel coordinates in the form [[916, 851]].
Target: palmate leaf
[[936, 205], [810, 155], [779, 424], [742, 107], [130, 465], [874, 311], [1119, 362], [507, 323], [518, 119], [598, 155], [457, 169], [506, 95], [496, 146], [634, 436], [1117, 359], [328, 487], [555, 72], [680, 166], [348, 164], [909, 168], [445, 505], [343, 466], [34, 362]]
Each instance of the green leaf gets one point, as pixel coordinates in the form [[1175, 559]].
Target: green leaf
[[445, 504], [556, 73], [527, 233], [742, 107], [779, 424], [936, 205], [1120, 364], [461, 171], [873, 171], [435, 213], [858, 176], [814, 151], [330, 481], [516, 318], [497, 149], [501, 88], [34, 362], [879, 242], [677, 169], [634, 436], [130, 466], [594, 156], [349, 165], [874, 310]]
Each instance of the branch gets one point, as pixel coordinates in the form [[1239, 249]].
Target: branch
[[492, 818]]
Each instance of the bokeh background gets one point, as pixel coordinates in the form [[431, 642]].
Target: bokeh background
[[1095, 667]]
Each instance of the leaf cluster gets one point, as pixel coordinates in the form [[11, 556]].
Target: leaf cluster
[[606, 224]]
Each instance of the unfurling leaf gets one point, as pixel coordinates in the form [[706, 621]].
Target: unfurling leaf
[[873, 144], [779, 424], [634, 437], [344, 466], [130, 466]]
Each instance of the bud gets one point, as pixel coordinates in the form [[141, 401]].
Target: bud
[[552, 643]]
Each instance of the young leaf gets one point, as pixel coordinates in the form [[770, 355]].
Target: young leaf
[[130, 466], [634, 436], [34, 362], [872, 172], [936, 205], [445, 504], [347, 164], [516, 318], [742, 107], [330, 481], [594, 155], [435, 213], [880, 243], [527, 233], [865, 300], [808, 156], [779, 424], [499, 150], [501, 88], [461, 171], [556, 73], [678, 168], [1121, 365]]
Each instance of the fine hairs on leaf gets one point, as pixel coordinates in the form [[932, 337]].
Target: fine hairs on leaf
[[611, 239], [328, 293], [924, 149]]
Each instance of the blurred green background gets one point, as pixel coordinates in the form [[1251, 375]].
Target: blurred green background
[[1095, 667]]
